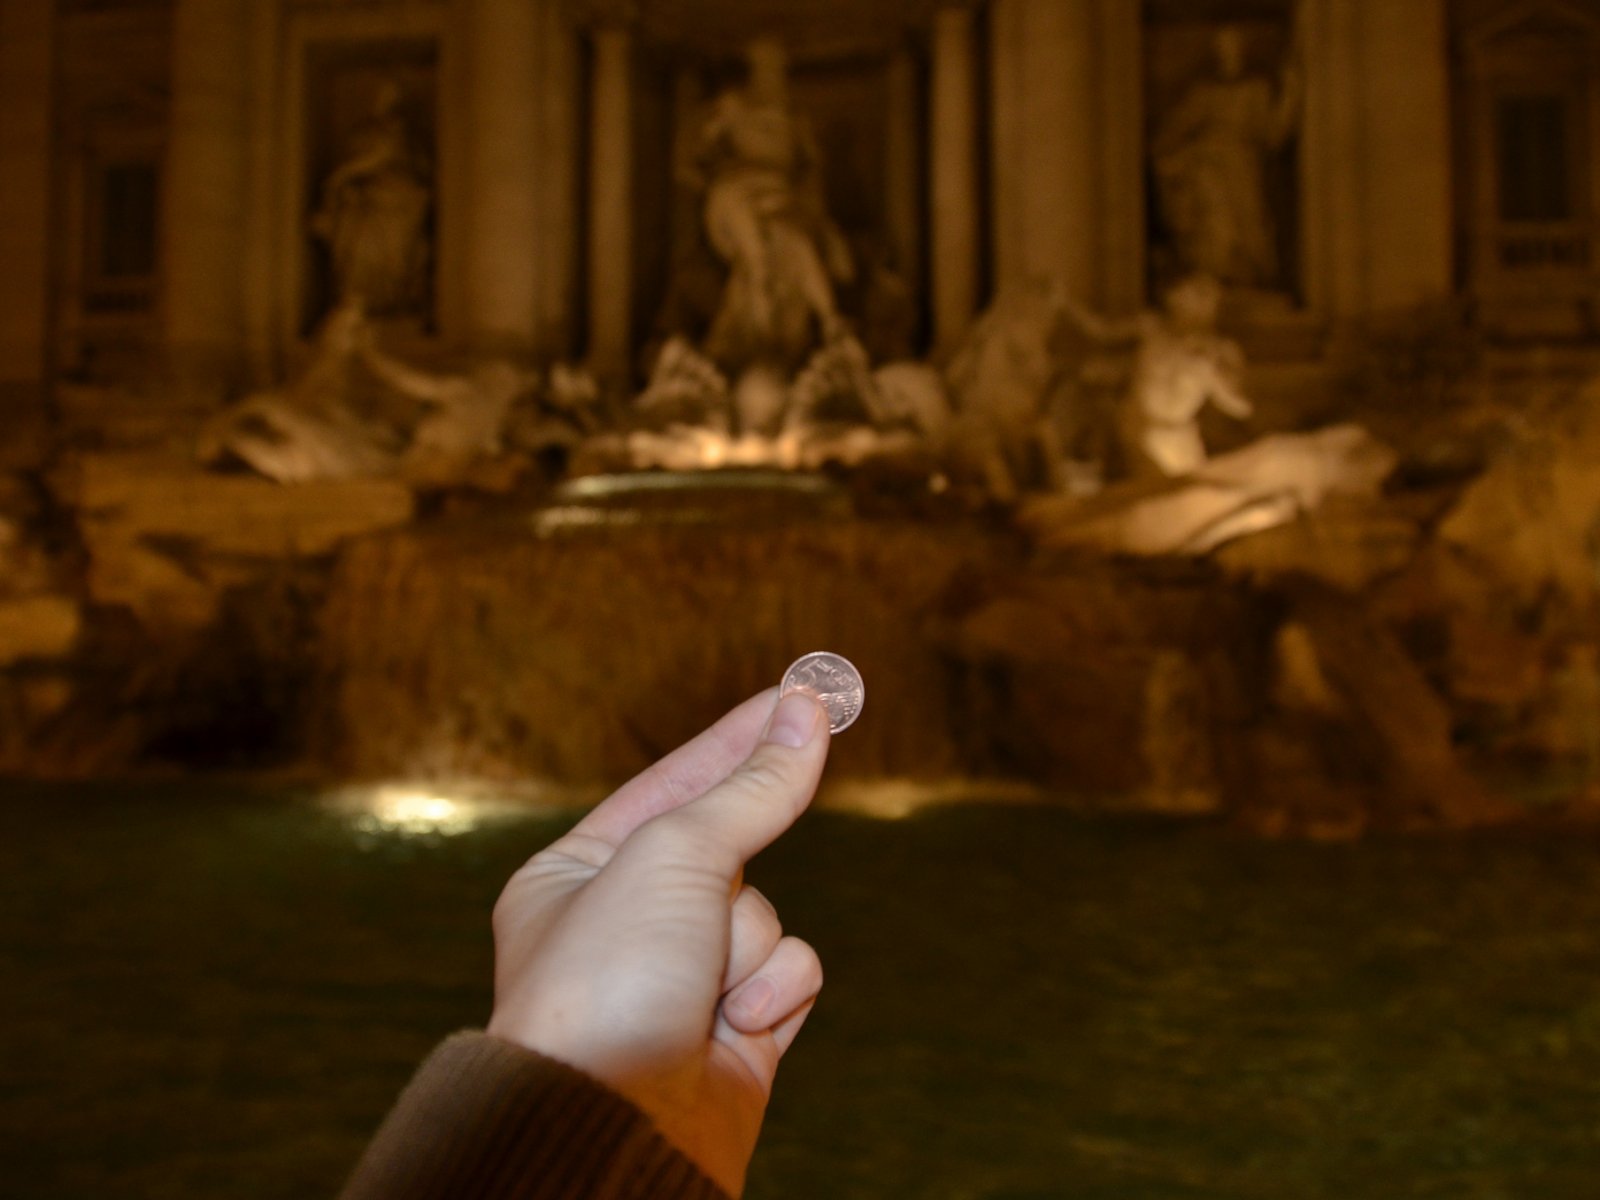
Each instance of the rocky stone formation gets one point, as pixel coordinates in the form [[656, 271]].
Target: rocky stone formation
[[166, 539], [1532, 520], [37, 626], [1335, 673], [462, 651]]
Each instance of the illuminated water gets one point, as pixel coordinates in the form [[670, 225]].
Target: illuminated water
[[207, 995]]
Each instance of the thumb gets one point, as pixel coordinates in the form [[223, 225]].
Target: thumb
[[762, 796]]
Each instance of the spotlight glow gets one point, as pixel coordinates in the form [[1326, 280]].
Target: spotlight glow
[[434, 810], [402, 810]]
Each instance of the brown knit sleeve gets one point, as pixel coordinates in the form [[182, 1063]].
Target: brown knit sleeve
[[484, 1118]]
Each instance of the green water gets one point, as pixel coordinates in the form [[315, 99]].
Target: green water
[[208, 995]]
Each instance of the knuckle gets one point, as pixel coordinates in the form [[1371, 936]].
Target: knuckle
[[684, 835], [808, 962], [754, 896], [669, 836], [764, 776], [757, 913]]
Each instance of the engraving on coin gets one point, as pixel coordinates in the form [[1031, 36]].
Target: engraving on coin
[[833, 680]]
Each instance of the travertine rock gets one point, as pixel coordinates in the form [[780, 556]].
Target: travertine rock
[[165, 538], [1533, 519], [153, 497], [41, 626], [1398, 720], [1345, 542]]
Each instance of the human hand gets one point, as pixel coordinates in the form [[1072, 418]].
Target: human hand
[[631, 949]]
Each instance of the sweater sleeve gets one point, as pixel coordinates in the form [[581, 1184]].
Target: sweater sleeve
[[484, 1118]]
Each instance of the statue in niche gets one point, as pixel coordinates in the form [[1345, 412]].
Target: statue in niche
[[765, 218], [374, 212], [1210, 155]]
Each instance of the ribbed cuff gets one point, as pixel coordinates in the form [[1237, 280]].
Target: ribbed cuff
[[486, 1118]]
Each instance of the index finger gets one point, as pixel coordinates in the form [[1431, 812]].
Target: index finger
[[684, 775]]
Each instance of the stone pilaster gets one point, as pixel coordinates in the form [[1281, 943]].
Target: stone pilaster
[[26, 58], [1119, 119], [263, 246], [1045, 143], [610, 275], [954, 207], [1331, 164], [1409, 215], [902, 169], [204, 197], [558, 173], [501, 293], [1376, 161]]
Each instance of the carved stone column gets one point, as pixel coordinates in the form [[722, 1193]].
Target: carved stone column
[[610, 277], [954, 172], [1331, 165], [204, 197], [501, 255], [26, 58], [1376, 167], [1045, 143], [1119, 115]]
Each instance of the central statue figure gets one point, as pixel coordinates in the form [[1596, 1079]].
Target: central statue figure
[[765, 217]]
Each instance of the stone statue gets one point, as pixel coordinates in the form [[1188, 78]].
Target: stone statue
[[1003, 382], [1180, 364], [374, 212], [1270, 482], [1210, 155], [685, 388], [307, 429], [465, 415], [766, 219]]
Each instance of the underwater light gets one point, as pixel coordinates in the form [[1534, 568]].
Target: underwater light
[[432, 809]]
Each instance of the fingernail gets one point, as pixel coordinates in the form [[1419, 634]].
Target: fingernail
[[795, 722], [754, 999]]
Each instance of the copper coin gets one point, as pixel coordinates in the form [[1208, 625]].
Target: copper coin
[[833, 681]]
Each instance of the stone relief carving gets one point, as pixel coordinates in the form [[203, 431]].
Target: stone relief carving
[[374, 210], [1210, 153]]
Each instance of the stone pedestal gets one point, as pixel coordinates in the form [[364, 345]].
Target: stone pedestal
[[26, 58], [204, 198], [953, 129]]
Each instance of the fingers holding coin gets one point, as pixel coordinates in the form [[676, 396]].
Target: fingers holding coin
[[833, 681]]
